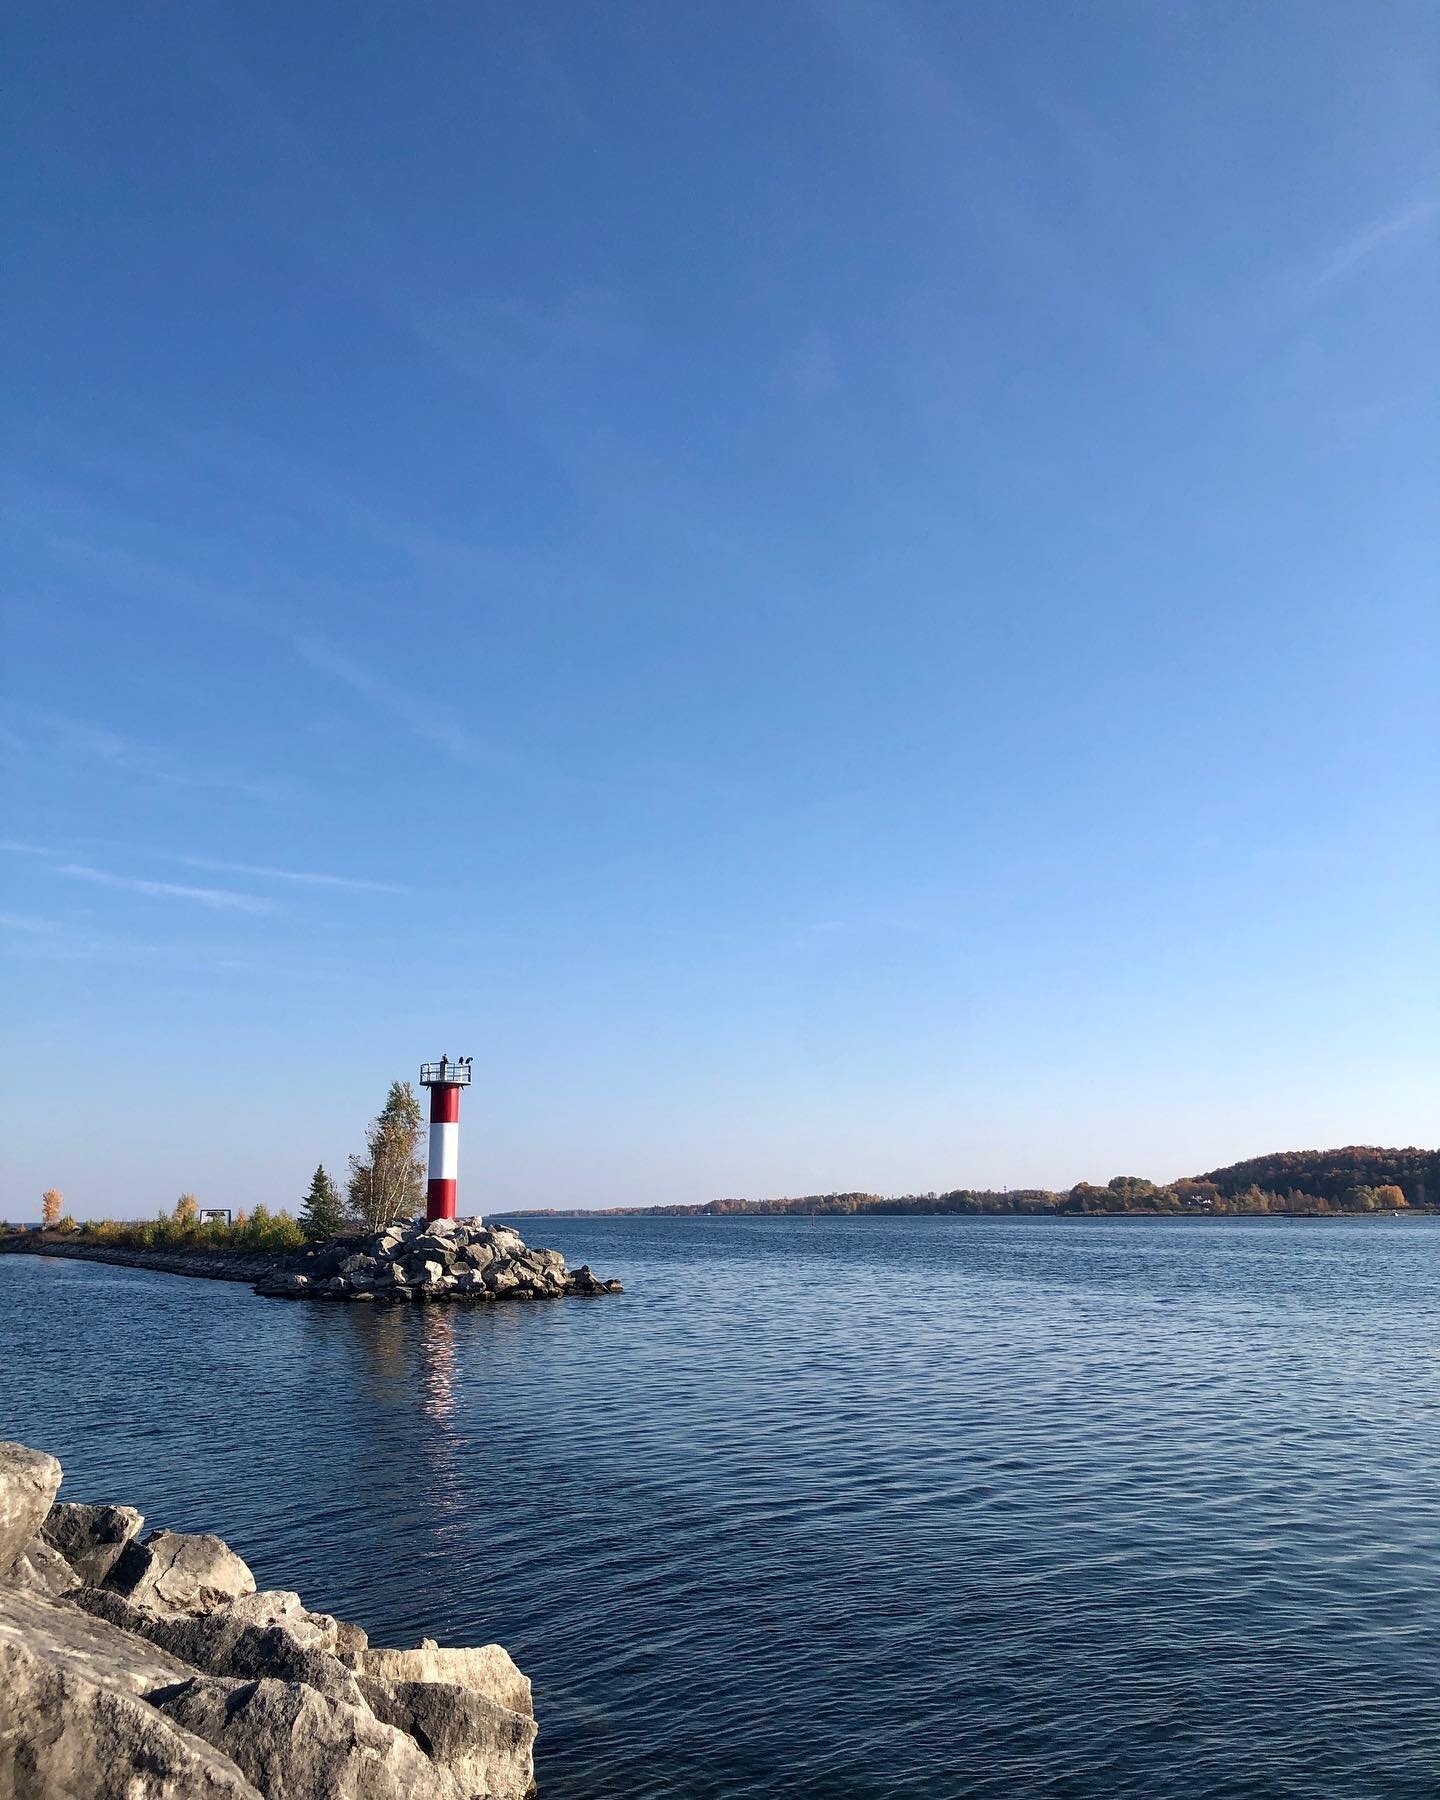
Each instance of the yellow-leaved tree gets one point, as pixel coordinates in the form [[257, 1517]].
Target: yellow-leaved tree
[[187, 1210], [52, 1204]]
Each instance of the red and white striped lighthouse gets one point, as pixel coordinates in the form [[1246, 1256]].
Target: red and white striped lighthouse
[[444, 1080]]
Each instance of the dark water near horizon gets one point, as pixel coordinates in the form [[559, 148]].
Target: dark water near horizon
[[899, 1507]]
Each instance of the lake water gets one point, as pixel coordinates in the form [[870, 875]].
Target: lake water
[[922, 1508]]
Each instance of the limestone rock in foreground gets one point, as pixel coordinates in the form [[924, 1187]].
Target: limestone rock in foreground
[[289, 1648], [43, 1570], [28, 1481], [65, 1738], [295, 1744], [73, 1721], [172, 1678], [93, 1650], [484, 1747], [473, 1708], [170, 1573], [90, 1538], [428, 1260], [489, 1671]]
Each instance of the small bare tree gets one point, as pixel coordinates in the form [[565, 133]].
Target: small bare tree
[[52, 1204], [388, 1182]]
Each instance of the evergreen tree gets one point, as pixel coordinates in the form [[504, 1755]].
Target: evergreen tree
[[322, 1212], [388, 1182]]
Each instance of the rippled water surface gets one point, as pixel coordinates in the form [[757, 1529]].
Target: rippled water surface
[[866, 1507]]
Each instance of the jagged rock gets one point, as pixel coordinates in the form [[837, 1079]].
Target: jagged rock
[[222, 1643], [487, 1669], [281, 1606], [170, 1573], [43, 1570], [28, 1480], [284, 1286], [428, 1260], [487, 1747], [432, 1245], [351, 1643], [63, 1737], [295, 1744], [176, 1680], [91, 1649], [90, 1538]]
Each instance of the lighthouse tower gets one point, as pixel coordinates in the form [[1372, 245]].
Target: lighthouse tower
[[444, 1080]]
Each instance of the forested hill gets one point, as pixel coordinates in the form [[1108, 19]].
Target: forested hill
[[1332, 1174], [1357, 1179]]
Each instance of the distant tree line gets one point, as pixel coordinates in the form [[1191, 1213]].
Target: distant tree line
[[1357, 1179]]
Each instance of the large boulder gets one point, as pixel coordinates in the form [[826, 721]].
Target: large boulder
[[295, 1744], [28, 1482], [487, 1670], [285, 1286], [43, 1570], [91, 1649], [440, 1245], [63, 1737], [287, 1646], [280, 1606], [171, 1573], [90, 1538], [487, 1748]]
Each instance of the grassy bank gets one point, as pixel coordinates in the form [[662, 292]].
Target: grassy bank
[[260, 1233]]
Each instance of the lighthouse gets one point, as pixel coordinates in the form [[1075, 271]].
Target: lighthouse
[[444, 1080]]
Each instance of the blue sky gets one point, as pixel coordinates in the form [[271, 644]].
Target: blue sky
[[842, 592]]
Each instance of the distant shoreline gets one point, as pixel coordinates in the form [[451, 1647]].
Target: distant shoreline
[[1353, 1181], [701, 1214]]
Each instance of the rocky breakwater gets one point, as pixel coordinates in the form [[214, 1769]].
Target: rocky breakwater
[[461, 1260], [149, 1668]]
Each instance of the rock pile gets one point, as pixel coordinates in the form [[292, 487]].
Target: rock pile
[[150, 1669], [439, 1259]]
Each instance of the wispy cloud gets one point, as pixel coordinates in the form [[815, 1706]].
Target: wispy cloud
[[20, 922], [418, 714], [51, 737], [1357, 250], [261, 871], [223, 899], [307, 877]]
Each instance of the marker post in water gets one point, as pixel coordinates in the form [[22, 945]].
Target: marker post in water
[[444, 1080]]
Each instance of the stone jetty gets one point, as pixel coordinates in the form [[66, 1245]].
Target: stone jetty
[[460, 1260], [148, 1667]]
